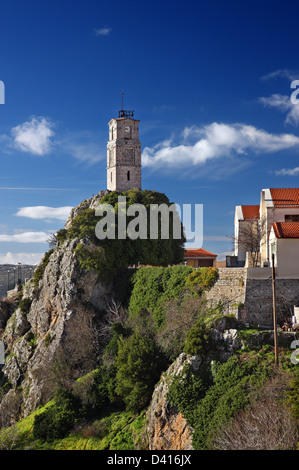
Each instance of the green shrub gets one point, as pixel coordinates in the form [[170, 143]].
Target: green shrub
[[202, 279], [197, 339], [90, 259], [153, 287], [138, 367], [58, 419], [39, 272], [185, 391], [207, 406], [293, 395], [83, 225], [57, 238], [25, 305]]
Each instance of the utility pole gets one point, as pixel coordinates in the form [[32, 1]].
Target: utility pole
[[274, 311]]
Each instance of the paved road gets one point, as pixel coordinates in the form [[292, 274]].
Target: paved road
[[10, 274]]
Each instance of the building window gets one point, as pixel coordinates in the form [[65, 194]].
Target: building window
[[111, 177], [291, 218], [128, 176]]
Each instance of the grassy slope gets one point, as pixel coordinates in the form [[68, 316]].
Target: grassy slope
[[117, 431]]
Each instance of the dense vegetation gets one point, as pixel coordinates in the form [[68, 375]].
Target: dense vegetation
[[207, 403], [110, 256]]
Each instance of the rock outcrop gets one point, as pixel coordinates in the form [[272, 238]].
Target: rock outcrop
[[65, 295], [90, 203], [167, 429]]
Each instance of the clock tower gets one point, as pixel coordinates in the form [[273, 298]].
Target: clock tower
[[124, 153]]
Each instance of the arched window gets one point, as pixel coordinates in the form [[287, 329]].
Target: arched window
[[128, 176]]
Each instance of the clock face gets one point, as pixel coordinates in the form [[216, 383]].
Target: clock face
[[127, 129]]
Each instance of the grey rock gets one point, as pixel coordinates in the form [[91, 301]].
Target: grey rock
[[32, 341]]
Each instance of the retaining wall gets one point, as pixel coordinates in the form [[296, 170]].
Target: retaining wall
[[247, 293]]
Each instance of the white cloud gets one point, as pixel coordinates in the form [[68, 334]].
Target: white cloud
[[288, 171], [33, 136], [45, 212], [283, 103], [281, 73], [36, 135], [200, 145], [24, 258], [25, 237], [102, 31]]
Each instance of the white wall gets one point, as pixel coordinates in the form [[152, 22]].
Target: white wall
[[288, 258]]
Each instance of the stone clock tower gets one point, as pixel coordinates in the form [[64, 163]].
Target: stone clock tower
[[124, 153]]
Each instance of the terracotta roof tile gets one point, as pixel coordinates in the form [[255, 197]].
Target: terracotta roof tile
[[285, 197], [286, 229], [199, 253], [251, 212]]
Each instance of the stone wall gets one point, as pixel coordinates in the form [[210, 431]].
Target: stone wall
[[229, 289], [248, 295], [259, 299]]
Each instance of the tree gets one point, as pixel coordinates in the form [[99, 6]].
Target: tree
[[250, 238], [110, 256], [138, 364], [180, 315], [197, 339]]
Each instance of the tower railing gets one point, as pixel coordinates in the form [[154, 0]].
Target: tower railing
[[125, 113]]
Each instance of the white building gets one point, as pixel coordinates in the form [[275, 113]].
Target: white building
[[284, 244], [277, 205], [275, 225], [246, 223]]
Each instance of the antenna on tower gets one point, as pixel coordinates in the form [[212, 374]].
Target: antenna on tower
[[122, 113]]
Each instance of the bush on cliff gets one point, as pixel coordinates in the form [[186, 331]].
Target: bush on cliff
[[233, 383], [39, 272], [58, 418], [153, 287], [138, 367], [197, 339], [202, 279], [120, 253]]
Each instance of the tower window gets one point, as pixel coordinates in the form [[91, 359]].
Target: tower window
[[111, 177], [128, 176]]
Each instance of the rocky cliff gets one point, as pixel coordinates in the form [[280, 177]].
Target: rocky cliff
[[65, 298], [167, 429]]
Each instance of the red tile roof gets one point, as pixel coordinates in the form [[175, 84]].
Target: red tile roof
[[286, 229], [199, 253], [251, 212], [285, 197]]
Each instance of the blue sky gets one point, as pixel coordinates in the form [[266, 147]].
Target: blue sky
[[208, 80]]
